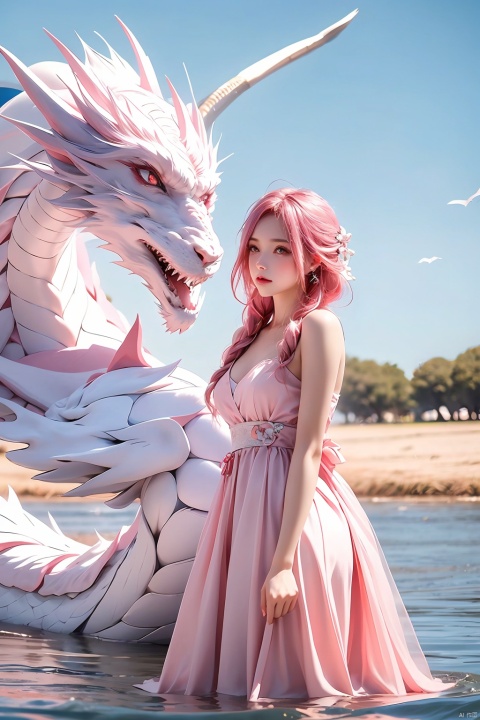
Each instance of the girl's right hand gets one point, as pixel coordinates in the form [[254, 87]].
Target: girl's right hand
[[279, 594]]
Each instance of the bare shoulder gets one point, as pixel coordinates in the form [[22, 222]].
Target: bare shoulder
[[321, 342], [320, 325]]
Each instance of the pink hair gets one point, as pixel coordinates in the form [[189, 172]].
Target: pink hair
[[311, 226]]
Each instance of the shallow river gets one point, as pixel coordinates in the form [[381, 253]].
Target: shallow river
[[432, 550]]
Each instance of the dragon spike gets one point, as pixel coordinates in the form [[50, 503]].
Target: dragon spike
[[95, 59], [214, 104], [117, 60], [188, 134], [61, 117], [46, 172], [78, 69], [148, 79], [45, 138], [130, 353], [196, 116], [94, 114]]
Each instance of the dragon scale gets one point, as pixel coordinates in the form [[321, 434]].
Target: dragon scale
[[47, 287]]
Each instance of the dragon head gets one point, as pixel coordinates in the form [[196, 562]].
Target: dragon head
[[136, 170]]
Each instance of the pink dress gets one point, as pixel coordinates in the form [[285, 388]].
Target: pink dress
[[349, 633]]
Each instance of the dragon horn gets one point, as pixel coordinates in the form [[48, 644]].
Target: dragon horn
[[214, 104]]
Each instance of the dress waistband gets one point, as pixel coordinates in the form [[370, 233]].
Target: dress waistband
[[263, 433], [258, 433]]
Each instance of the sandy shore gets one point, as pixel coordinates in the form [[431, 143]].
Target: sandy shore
[[419, 460]]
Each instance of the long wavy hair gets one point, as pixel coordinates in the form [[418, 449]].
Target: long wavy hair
[[311, 226]]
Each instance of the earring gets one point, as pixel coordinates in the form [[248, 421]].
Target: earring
[[313, 277]]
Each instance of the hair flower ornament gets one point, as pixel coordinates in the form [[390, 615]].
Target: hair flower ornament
[[344, 252]]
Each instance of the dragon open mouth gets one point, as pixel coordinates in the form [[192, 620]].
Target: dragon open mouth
[[182, 291]]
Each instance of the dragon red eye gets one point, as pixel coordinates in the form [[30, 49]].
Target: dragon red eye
[[150, 177]]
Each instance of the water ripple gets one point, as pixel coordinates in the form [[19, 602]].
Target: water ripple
[[46, 676]]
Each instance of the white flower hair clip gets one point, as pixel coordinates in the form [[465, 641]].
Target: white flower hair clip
[[344, 252]]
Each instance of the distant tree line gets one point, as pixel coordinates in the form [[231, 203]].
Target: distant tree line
[[375, 393]]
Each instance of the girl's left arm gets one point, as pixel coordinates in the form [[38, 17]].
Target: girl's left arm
[[322, 346]]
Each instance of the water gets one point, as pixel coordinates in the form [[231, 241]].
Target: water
[[432, 551]]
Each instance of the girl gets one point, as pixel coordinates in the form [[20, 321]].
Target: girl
[[290, 594]]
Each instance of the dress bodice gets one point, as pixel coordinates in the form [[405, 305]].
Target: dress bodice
[[262, 394]]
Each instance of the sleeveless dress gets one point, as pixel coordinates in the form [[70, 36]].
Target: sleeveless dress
[[349, 633]]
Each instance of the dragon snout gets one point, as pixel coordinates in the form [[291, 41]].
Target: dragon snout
[[208, 255]]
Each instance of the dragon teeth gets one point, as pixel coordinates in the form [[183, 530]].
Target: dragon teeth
[[191, 283]]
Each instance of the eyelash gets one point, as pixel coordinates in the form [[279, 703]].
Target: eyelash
[[279, 247]]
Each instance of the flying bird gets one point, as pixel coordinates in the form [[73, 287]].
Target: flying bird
[[429, 260], [465, 202]]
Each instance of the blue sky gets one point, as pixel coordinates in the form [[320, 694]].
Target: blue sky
[[382, 122]]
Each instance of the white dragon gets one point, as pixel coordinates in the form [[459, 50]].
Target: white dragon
[[94, 146]]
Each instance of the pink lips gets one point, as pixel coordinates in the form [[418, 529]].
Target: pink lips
[[261, 279]]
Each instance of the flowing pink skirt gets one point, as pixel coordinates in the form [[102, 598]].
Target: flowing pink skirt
[[349, 633]]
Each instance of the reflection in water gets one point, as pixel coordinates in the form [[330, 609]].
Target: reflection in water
[[47, 675]]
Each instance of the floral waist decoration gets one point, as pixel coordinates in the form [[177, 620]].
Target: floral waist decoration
[[261, 433], [266, 432]]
